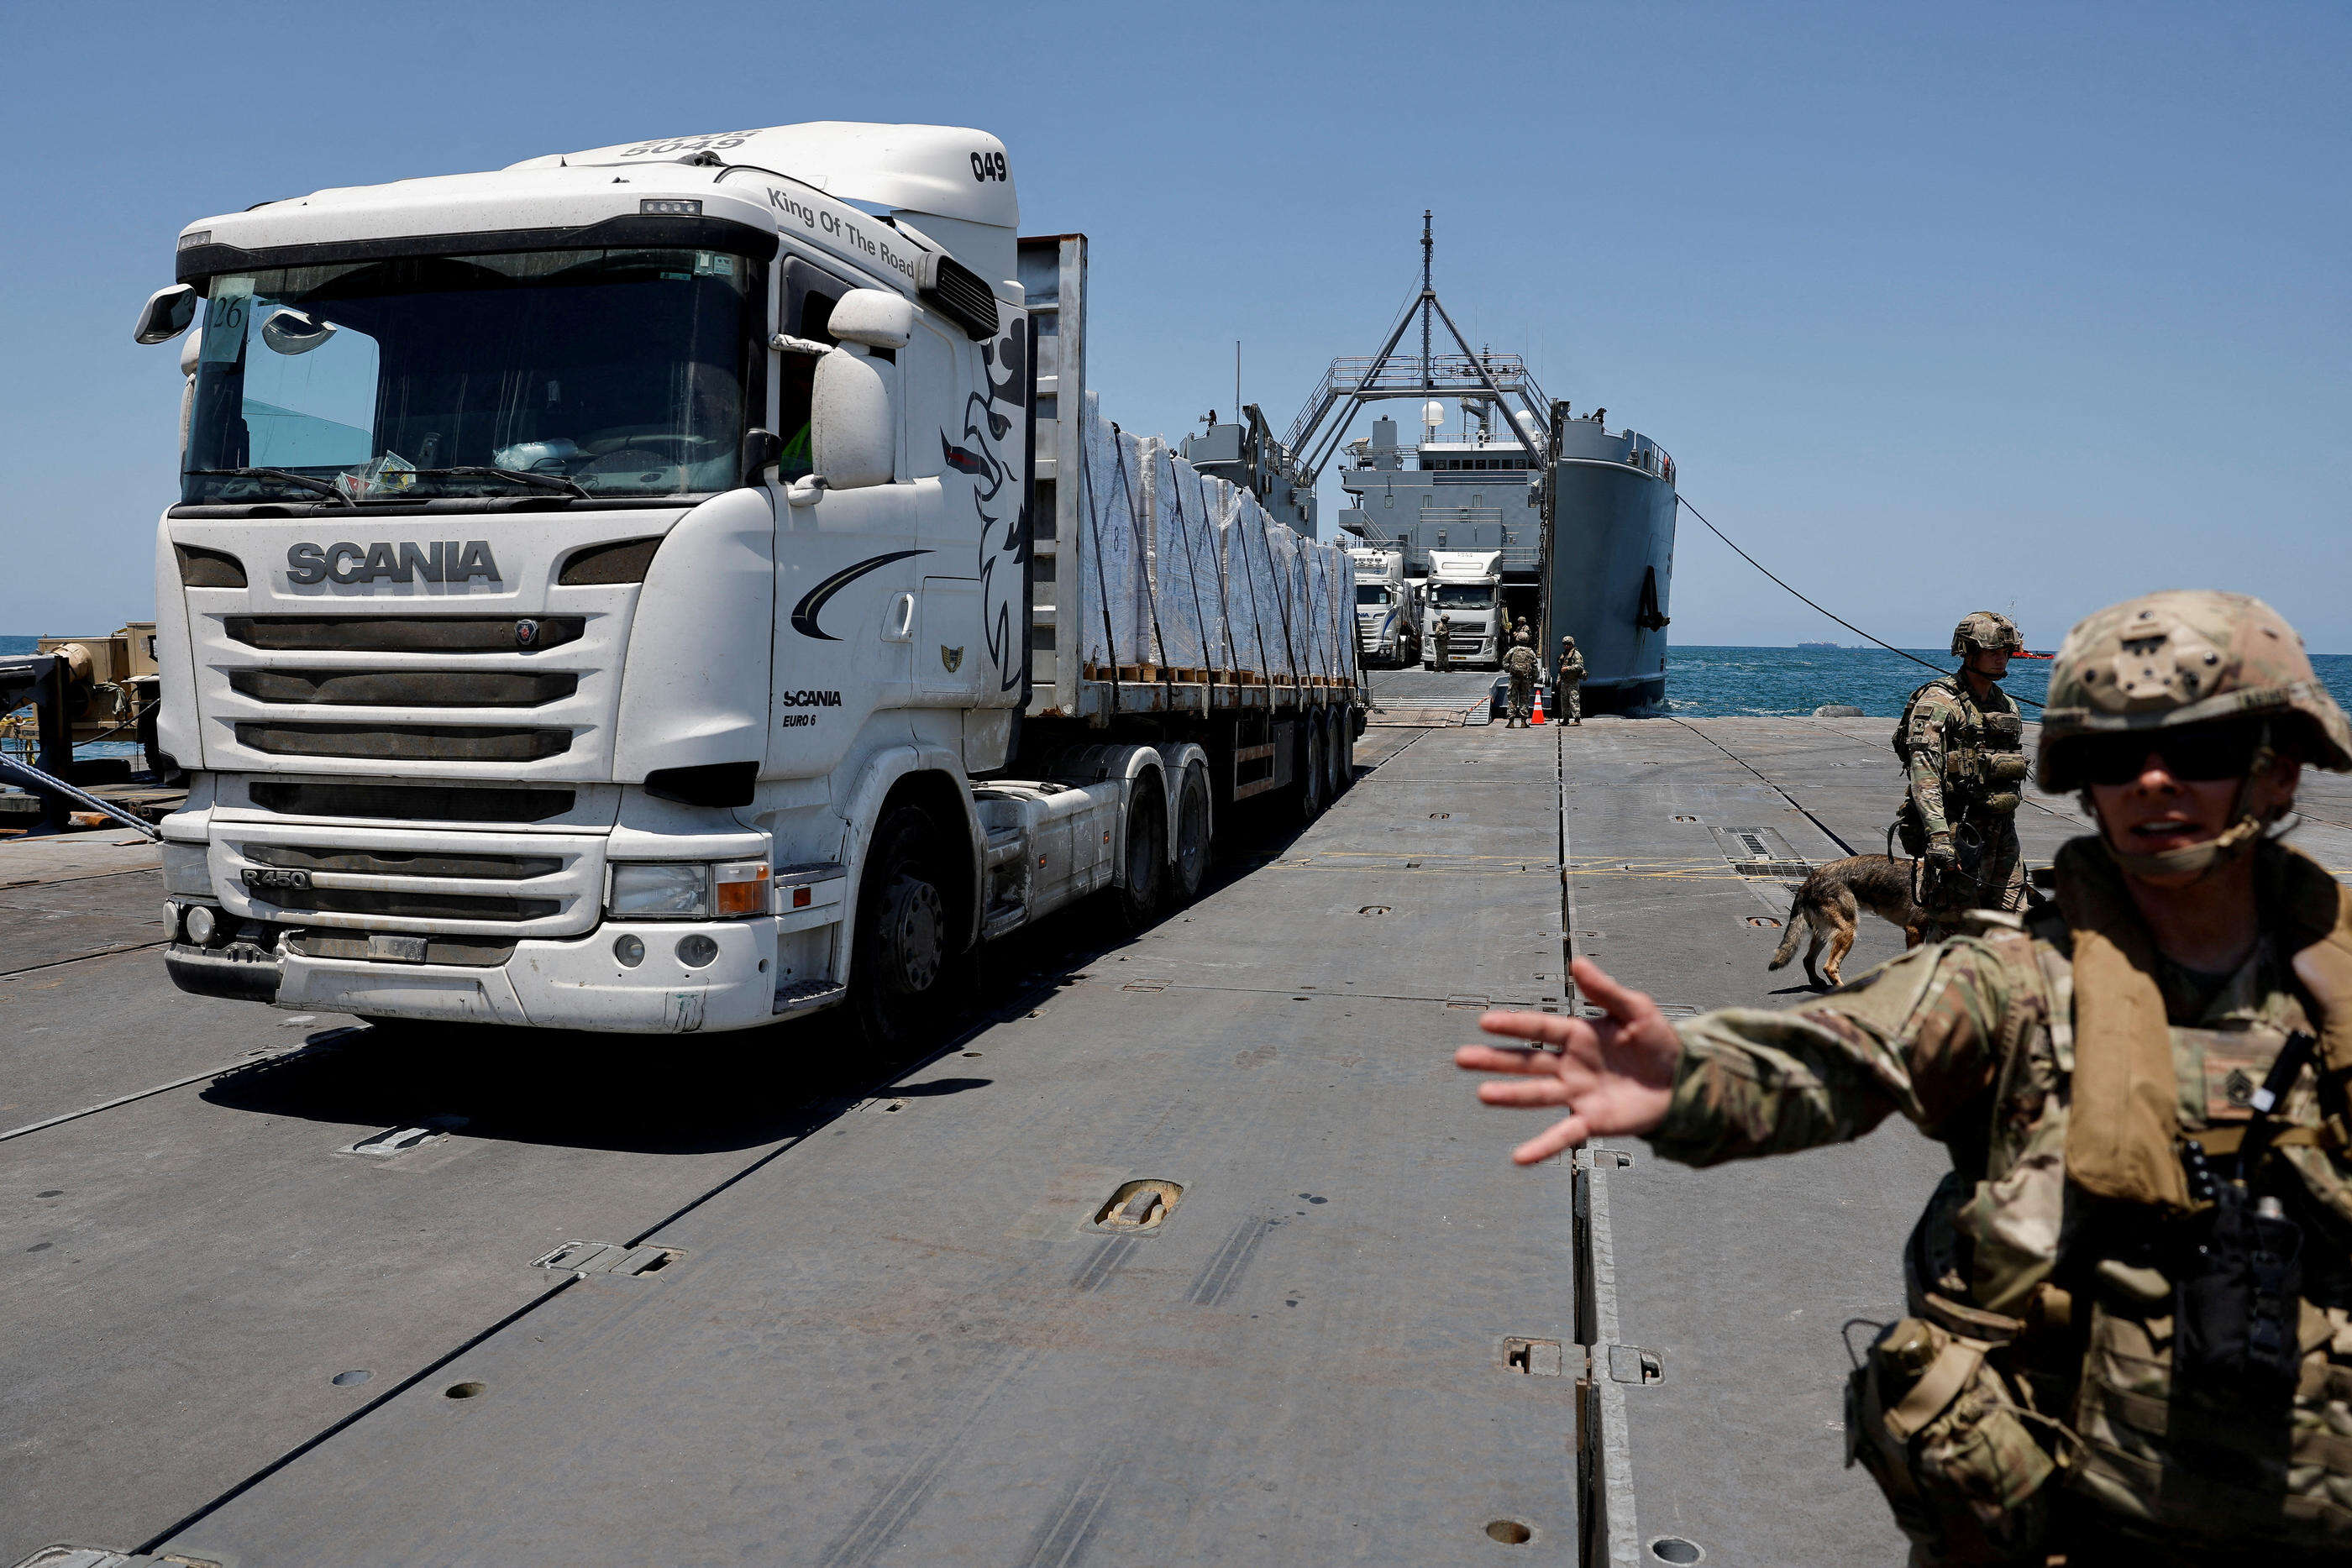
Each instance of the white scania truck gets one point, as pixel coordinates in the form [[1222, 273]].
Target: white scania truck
[[1465, 587], [1388, 616], [625, 592]]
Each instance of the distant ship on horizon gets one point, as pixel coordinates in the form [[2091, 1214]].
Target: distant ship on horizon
[[1816, 647]]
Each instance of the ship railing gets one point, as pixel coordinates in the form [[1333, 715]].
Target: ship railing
[[1449, 375], [1369, 459]]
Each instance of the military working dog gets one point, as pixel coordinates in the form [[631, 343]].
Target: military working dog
[[1828, 902]]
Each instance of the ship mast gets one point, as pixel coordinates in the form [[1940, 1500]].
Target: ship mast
[[1428, 296], [1491, 380]]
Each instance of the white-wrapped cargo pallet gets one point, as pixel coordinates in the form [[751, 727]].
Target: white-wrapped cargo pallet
[[1133, 483], [1244, 626], [1343, 613], [1303, 610], [1114, 609], [1281, 548], [1183, 582], [1320, 613], [1249, 563], [1311, 556], [1204, 577]]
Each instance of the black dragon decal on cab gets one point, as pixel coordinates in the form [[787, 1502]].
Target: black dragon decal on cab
[[1002, 567]]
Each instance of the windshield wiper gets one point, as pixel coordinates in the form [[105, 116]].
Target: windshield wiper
[[323, 486], [513, 477]]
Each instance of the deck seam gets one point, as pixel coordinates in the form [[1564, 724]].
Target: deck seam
[[1611, 1528], [256, 1060], [1827, 832]]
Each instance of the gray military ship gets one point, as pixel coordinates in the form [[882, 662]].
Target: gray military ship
[[1581, 516]]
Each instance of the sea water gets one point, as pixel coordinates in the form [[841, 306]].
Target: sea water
[[1705, 682]]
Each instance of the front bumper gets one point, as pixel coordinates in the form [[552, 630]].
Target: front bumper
[[573, 983]]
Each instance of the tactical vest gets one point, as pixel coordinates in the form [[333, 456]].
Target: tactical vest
[[2176, 1353], [1985, 766]]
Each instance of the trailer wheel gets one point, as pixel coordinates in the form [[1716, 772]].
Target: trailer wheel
[[1342, 754], [1314, 781], [1146, 870], [902, 976], [1190, 866]]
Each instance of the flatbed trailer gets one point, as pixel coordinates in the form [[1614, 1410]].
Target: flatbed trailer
[[1252, 721]]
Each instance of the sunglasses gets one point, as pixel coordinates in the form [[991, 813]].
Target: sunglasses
[[2196, 753]]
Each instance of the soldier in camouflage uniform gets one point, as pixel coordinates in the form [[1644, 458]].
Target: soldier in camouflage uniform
[[1522, 665], [1571, 680], [1962, 741], [2129, 1336]]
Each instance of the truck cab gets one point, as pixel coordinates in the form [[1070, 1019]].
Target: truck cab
[[1388, 622], [1465, 589]]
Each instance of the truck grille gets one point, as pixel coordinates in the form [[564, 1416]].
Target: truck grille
[[412, 905], [442, 883], [404, 742], [402, 634], [405, 688], [409, 802], [394, 862]]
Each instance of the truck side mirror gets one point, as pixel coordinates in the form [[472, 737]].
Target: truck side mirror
[[853, 431], [166, 314], [874, 317]]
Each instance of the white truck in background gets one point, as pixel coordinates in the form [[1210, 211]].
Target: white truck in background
[[640, 589], [1465, 587], [1387, 613]]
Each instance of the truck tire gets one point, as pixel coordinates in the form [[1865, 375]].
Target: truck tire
[[903, 981], [1314, 781], [1189, 865], [1341, 751], [1144, 882]]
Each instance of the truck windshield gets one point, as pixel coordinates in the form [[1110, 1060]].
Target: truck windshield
[[1371, 593], [1464, 596], [626, 372]]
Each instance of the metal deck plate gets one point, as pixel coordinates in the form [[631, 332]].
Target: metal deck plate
[[899, 1335]]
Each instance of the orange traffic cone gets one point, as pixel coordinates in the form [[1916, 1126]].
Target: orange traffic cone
[[1538, 717]]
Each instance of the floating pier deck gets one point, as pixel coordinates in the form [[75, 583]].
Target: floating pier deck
[[719, 1300]]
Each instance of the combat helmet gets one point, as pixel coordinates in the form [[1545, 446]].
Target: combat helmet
[[1986, 632], [2168, 660]]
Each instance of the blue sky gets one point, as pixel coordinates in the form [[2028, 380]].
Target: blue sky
[[1937, 308]]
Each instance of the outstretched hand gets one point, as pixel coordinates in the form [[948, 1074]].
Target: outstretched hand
[[1615, 1073]]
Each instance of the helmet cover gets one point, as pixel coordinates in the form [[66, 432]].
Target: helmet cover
[[1987, 632], [2181, 657]]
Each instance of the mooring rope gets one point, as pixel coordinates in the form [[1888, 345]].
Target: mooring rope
[[1833, 615]]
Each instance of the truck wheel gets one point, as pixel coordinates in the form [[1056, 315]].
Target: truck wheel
[[902, 976], [1146, 869], [1342, 753], [1190, 866], [1312, 778]]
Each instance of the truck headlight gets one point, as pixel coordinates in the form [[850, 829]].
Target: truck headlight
[[695, 890], [185, 871]]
